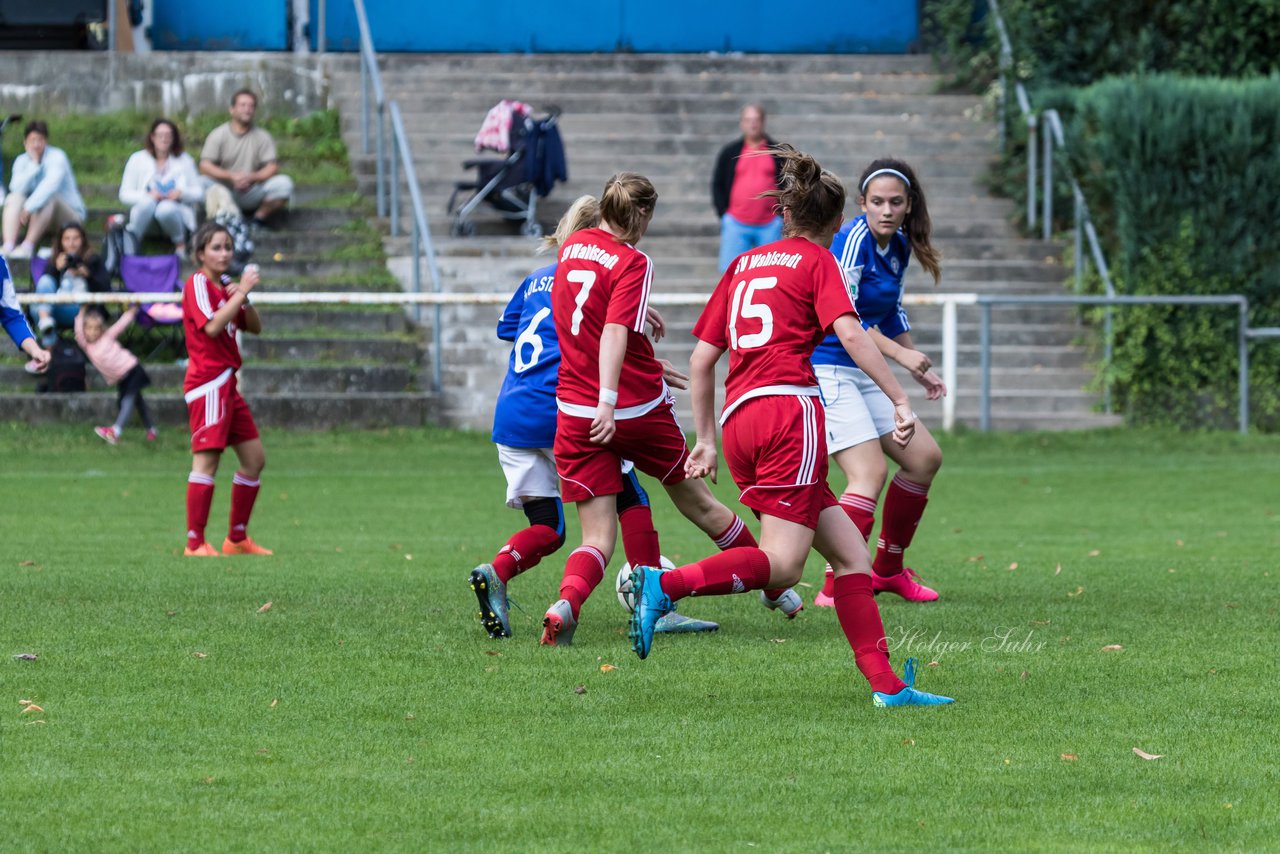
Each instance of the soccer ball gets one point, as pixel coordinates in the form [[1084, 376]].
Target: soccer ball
[[626, 598]]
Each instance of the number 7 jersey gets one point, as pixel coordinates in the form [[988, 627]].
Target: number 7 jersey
[[772, 306], [600, 280]]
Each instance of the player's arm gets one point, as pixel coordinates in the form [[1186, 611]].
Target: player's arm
[[613, 348], [858, 344], [702, 381], [509, 322], [251, 322], [230, 310], [902, 350]]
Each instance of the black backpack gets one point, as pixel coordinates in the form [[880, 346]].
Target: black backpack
[[66, 368]]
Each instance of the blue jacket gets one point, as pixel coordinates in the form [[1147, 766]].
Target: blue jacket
[[15, 322]]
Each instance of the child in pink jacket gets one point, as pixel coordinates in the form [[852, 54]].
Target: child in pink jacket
[[117, 365]]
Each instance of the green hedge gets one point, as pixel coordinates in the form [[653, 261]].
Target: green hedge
[[1184, 181], [1082, 41]]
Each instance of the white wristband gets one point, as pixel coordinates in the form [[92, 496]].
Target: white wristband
[[609, 396]]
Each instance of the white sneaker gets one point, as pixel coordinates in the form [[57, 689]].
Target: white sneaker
[[21, 253], [789, 602]]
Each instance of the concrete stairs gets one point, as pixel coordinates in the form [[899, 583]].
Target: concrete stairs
[[667, 116], [313, 367]]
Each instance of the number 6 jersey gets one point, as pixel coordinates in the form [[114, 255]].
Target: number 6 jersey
[[525, 416], [771, 307], [601, 280]]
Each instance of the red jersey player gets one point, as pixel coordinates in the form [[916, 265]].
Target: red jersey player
[[213, 309], [773, 305], [613, 402]]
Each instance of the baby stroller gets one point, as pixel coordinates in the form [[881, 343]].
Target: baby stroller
[[511, 185]]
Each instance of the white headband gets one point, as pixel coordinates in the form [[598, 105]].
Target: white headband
[[894, 172]]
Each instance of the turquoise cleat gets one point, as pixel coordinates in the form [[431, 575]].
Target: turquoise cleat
[[491, 593], [675, 623], [651, 605], [908, 696]]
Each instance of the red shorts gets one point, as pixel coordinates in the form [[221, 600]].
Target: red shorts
[[654, 442], [776, 449], [219, 416]]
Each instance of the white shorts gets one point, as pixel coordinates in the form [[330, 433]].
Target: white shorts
[[857, 410], [530, 472]]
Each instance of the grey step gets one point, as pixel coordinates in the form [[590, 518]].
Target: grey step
[[300, 411], [637, 63], [261, 378], [364, 320], [361, 349]]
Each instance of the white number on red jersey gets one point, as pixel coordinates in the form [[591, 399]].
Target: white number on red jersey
[[531, 339], [744, 307], [586, 278]]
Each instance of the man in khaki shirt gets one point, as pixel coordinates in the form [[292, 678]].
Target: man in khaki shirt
[[241, 159]]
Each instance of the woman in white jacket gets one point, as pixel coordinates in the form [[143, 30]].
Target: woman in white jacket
[[161, 187]]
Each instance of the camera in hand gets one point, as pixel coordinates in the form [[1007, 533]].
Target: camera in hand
[[72, 259]]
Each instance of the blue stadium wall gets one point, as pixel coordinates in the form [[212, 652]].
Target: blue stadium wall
[[520, 26]]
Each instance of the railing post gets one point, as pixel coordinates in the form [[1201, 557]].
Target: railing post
[[395, 195], [1002, 107], [1047, 223], [416, 251], [949, 349], [984, 417], [1078, 249], [379, 166], [1108, 346], [320, 35], [1032, 145], [364, 104], [1243, 346]]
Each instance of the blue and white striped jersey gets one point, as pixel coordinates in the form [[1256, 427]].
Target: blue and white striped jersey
[[875, 281], [525, 416]]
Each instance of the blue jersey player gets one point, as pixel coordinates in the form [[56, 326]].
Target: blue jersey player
[[15, 323], [874, 251], [524, 429]]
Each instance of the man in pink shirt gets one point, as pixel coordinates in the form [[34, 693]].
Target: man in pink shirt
[[746, 221]]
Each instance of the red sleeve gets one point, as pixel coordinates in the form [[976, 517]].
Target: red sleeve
[[831, 296], [713, 324], [197, 302], [629, 299]]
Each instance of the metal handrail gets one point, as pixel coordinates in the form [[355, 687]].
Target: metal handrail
[[1082, 228], [370, 78], [421, 244]]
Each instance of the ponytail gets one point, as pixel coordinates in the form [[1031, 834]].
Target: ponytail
[[627, 198], [812, 196], [917, 224], [583, 213]]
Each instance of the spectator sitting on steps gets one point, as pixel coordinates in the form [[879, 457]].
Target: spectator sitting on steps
[[241, 159], [42, 191], [161, 187], [74, 269]]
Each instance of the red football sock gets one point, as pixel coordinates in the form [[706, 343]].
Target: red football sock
[[903, 506], [244, 491], [862, 511], [732, 571], [582, 572], [524, 550], [736, 536], [860, 620], [639, 539], [199, 499]]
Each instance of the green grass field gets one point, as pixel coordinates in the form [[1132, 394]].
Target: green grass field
[[366, 710]]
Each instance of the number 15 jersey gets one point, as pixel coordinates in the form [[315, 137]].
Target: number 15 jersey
[[772, 306], [600, 280]]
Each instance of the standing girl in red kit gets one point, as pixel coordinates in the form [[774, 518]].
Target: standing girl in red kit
[[772, 306], [612, 401], [213, 308]]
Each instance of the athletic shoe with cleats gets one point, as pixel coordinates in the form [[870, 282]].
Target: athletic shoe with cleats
[[491, 593], [906, 584], [651, 605], [558, 625], [107, 434], [673, 623], [909, 695], [788, 602], [202, 550], [822, 600], [152, 435], [244, 547]]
